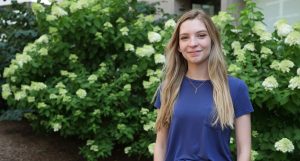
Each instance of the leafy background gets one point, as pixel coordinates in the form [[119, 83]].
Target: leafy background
[[96, 65]]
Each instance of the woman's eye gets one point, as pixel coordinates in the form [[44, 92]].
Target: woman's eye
[[183, 38], [201, 35]]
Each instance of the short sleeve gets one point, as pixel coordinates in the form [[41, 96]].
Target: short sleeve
[[157, 102], [242, 103]]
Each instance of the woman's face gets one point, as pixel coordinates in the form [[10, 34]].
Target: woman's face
[[194, 41]]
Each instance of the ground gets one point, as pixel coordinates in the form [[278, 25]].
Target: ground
[[19, 143]]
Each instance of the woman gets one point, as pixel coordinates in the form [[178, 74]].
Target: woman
[[198, 103]]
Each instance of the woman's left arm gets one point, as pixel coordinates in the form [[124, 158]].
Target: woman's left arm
[[243, 137]]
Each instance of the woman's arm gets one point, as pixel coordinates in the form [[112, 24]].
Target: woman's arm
[[243, 137], [160, 144]]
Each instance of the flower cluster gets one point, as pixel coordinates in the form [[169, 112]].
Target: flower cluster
[[154, 37], [146, 50], [260, 29], [283, 66], [170, 24], [284, 145], [81, 93], [294, 83], [222, 19], [270, 83], [153, 78]]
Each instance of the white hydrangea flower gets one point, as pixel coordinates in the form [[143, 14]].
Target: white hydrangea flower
[[56, 126], [146, 50], [294, 83], [250, 47], [50, 18], [293, 38], [275, 65], [154, 37], [231, 140], [81, 93], [265, 36], [124, 31], [53, 96], [129, 47], [127, 87], [260, 30], [66, 98], [222, 19], [62, 91], [75, 6], [170, 24], [254, 155], [236, 45], [6, 91], [151, 148], [127, 149], [298, 71], [58, 11], [146, 84], [90, 142], [284, 29], [234, 68], [159, 58], [258, 27], [72, 76], [43, 51], [44, 39], [120, 20], [22, 59], [92, 78], [144, 111], [73, 58], [107, 25], [283, 66], [10, 70], [20, 95], [270, 83], [37, 86], [284, 145], [279, 22], [60, 85], [30, 99], [37, 8], [41, 105], [240, 55], [94, 148], [149, 126], [266, 50], [149, 18]]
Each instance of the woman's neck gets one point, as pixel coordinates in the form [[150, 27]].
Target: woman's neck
[[197, 72]]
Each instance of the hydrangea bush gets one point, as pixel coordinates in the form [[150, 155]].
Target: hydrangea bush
[[269, 62], [94, 71], [85, 75]]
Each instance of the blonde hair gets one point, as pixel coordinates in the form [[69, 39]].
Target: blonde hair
[[176, 67]]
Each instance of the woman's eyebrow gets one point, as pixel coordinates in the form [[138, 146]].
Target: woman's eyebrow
[[200, 31]]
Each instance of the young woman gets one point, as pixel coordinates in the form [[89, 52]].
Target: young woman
[[198, 103]]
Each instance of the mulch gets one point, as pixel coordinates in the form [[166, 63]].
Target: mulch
[[18, 142]]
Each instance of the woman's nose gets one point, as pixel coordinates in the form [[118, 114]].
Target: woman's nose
[[193, 41]]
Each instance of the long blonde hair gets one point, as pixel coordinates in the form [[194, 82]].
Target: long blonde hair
[[176, 67]]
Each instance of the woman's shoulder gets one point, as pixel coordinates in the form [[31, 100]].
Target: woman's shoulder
[[236, 83]]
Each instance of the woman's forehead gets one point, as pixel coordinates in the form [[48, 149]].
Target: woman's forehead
[[192, 26]]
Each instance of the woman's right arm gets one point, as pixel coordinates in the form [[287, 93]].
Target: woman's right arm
[[160, 144]]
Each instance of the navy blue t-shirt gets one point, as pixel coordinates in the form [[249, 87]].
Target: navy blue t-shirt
[[191, 136]]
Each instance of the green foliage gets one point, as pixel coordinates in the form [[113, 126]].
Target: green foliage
[[94, 71], [85, 76], [269, 63], [17, 28]]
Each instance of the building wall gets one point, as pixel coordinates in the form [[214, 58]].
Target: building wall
[[277, 9]]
